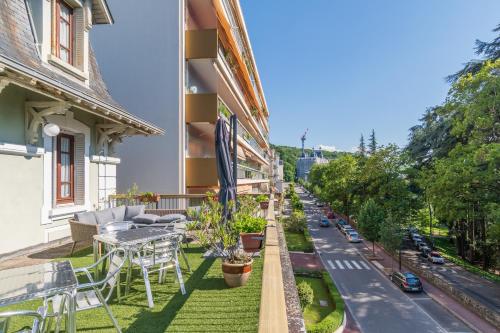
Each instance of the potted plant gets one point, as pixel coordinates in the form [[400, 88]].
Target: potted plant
[[263, 200], [219, 235], [149, 197], [251, 229]]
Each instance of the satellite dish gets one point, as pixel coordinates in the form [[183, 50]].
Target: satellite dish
[[51, 129]]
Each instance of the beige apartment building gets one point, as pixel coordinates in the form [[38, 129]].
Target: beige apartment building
[[191, 64]]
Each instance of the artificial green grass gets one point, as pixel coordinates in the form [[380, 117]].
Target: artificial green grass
[[297, 241], [449, 252], [314, 313], [208, 306]]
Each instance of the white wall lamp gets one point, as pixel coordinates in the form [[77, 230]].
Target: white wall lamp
[[51, 129]]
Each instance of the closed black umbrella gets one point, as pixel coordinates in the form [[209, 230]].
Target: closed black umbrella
[[227, 182]]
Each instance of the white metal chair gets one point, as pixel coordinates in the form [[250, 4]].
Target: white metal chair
[[39, 323], [90, 294], [157, 256]]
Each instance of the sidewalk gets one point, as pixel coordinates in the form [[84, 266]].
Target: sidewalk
[[475, 322]]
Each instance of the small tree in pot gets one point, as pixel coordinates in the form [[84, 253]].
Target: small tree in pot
[[221, 237]]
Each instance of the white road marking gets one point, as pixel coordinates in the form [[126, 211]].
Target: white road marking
[[356, 264], [331, 264], [378, 265], [365, 265], [346, 262], [339, 264]]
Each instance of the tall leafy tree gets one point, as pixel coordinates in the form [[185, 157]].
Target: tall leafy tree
[[391, 235], [372, 145], [370, 218]]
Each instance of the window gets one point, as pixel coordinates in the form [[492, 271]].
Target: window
[[65, 169], [64, 32]]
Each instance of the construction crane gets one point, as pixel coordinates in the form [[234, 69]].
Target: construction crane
[[303, 139]]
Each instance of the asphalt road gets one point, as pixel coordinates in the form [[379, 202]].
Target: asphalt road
[[375, 303], [485, 291]]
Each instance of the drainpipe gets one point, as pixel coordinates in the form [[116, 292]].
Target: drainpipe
[[234, 125]]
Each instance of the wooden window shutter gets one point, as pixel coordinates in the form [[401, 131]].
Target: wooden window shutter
[[79, 30], [80, 169]]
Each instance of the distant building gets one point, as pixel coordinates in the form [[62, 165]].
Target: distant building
[[305, 163]]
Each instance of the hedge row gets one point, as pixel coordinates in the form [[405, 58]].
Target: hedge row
[[333, 321]]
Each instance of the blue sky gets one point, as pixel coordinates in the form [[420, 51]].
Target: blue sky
[[341, 68]]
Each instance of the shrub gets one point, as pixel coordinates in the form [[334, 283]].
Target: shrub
[[247, 223], [295, 222], [306, 294], [334, 319], [296, 203]]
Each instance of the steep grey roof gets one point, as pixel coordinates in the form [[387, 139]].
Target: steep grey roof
[[17, 43]]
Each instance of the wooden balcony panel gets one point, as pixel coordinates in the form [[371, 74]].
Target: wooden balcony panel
[[201, 108], [201, 172], [201, 44]]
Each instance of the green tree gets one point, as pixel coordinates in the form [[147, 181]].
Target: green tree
[[488, 50], [370, 218], [372, 145], [362, 146], [338, 181], [391, 235]]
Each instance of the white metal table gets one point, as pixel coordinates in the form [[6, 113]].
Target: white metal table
[[40, 281], [129, 240]]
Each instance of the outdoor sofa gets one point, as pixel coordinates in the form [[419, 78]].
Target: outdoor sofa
[[85, 225]]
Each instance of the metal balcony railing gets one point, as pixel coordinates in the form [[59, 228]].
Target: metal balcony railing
[[174, 202]]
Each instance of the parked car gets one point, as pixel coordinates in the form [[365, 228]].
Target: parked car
[[320, 204], [345, 228], [407, 281], [353, 237], [340, 223], [435, 258], [417, 240], [414, 235], [324, 222], [424, 251], [421, 244]]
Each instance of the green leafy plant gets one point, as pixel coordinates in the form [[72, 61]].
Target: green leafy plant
[[219, 235], [249, 224], [306, 294], [262, 198], [149, 197]]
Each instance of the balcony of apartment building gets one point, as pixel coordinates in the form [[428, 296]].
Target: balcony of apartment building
[[202, 112], [215, 56]]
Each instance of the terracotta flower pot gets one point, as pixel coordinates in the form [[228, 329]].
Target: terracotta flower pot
[[250, 244], [264, 204], [236, 275]]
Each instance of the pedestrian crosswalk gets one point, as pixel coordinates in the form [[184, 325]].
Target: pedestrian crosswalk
[[348, 264]]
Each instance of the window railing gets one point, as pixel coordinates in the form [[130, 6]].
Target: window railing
[[242, 131], [245, 172]]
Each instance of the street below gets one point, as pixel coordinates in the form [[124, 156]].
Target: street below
[[375, 303]]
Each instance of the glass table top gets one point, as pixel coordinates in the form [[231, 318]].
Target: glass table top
[[26, 283], [133, 237]]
